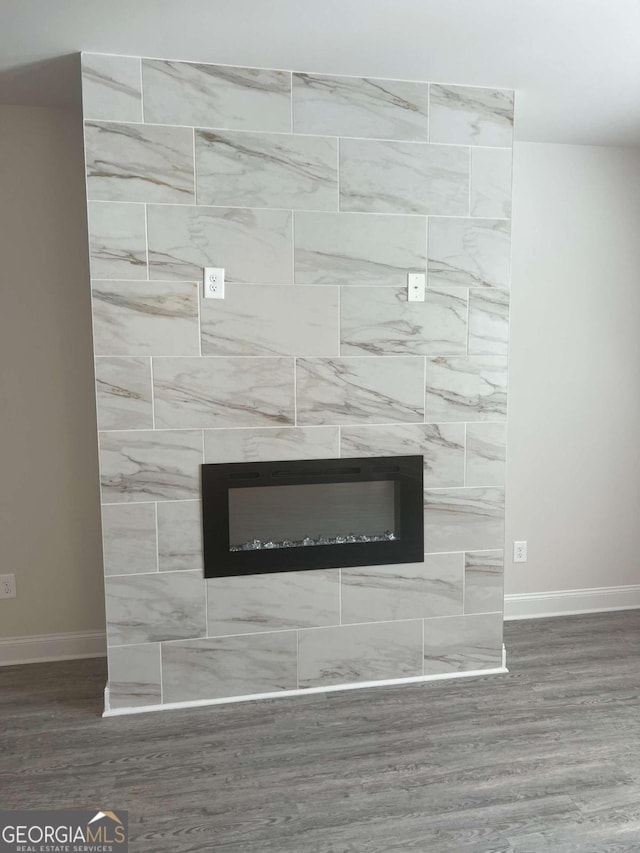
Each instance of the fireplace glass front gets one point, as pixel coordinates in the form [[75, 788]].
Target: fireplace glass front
[[287, 516]]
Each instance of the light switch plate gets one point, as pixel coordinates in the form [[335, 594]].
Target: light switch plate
[[416, 283]]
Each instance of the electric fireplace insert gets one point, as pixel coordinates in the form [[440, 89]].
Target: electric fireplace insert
[[320, 513]]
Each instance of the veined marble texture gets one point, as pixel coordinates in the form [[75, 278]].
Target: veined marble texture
[[216, 96], [148, 608], [123, 393], [134, 676], [469, 252], [257, 319], [463, 519], [111, 87], [488, 322], [459, 643], [129, 539], [358, 248], [360, 106], [269, 602], [467, 115], [267, 444], [441, 445], [266, 170], [486, 453], [229, 666], [145, 318], [252, 245], [491, 182], [137, 162], [179, 536], [380, 321], [352, 653], [150, 465], [224, 392], [117, 240], [404, 177], [403, 591], [483, 581], [359, 390], [471, 388]]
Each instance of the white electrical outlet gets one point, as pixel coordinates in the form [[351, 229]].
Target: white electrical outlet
[[213, 283], [519, 552], [7, 586]]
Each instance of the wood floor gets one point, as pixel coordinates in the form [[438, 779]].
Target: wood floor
[[546, 758]]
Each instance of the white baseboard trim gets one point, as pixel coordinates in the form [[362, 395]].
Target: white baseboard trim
[[570, 602], [390, 682], [49, 647]]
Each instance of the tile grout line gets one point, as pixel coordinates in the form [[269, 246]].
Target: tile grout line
[[141, 91], [157, 534], [146, 244], [410, 214], [470, 177], [153, 401], [195, 183], [161, 679]]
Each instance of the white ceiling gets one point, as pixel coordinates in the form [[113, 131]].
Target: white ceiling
[[575, 64]]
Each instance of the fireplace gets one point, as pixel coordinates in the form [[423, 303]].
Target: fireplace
[[328, 513]]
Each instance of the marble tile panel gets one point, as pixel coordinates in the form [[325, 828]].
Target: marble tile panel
[[380, 321], [137, 162], [252, 245], [117, 240], [486, 453], [266, 170], [403, 591], [466, 388], [145, 318], [111, 88], [150, 465], [358, 248], [223, 392], [483, 582], [441, 445], [360, 106], [256, 319], [267, 444], [462, 643], [123, 393], [488, 322], [404, 177], [149, 608], [134, 676], [491, 182], [129, 539], [252, 603], [469, 252], [216, 96], [359, 390], [468, 115], [179, 536], [352, 653], [229, 666], [463, 519]]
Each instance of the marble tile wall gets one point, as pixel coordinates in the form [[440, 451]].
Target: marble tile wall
[[318, 194]]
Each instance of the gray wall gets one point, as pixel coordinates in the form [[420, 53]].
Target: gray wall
[[314, 352], [49, 512], [574, 407]]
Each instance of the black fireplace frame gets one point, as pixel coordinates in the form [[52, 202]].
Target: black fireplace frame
[[217, 479]]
